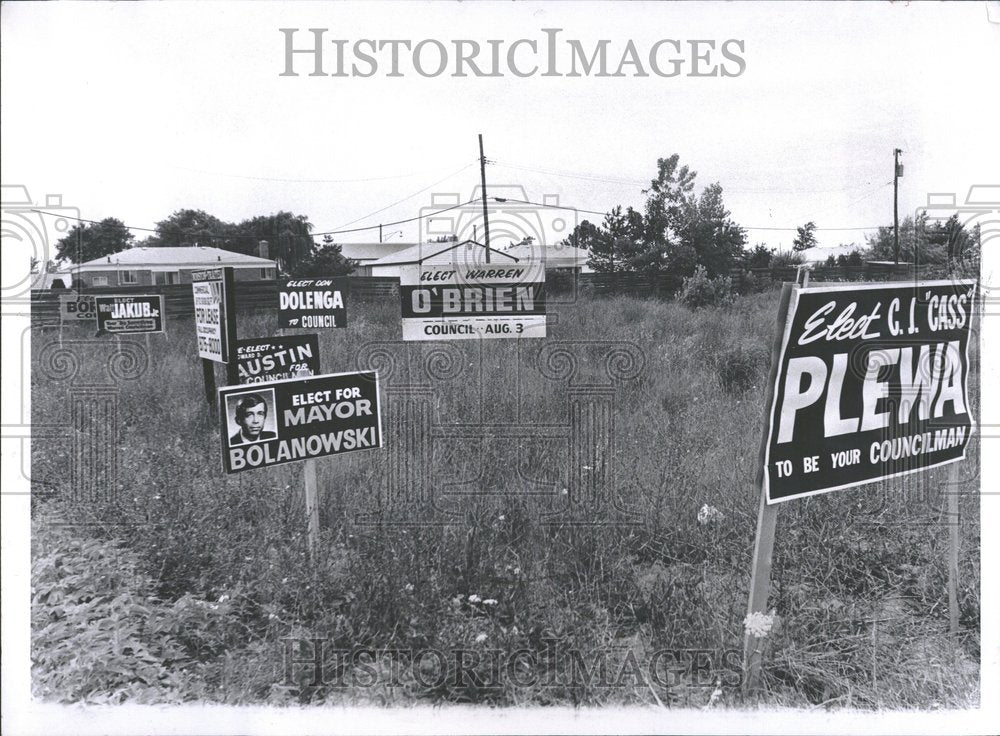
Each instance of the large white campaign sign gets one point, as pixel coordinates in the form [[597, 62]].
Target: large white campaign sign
[[214, 312], [464, 302], [872, 383]]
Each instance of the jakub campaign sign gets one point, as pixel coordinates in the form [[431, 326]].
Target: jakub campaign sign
[[214, 312], [260, 359], [463, 302], [129, 315], [872, 383], [298, 419], [312, 303]]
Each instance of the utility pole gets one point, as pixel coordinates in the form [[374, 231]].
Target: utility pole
[[486, 215], [896, 171]]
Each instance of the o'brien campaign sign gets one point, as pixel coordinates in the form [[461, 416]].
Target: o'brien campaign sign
[[260, 359], [311, 303], [128, 315], [214, 312], [872, 384], [77, 308], [298, 419], [466, 302]]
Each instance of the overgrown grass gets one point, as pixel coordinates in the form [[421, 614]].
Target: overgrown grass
[[620, 575]]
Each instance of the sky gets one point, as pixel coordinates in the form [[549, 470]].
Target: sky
[[136, 110]]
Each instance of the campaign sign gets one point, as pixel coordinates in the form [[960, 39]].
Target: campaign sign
[[872, 384], [311, 303], [298, 419], [214, 312], [467, 302], [260, 359], [77, 308], [129, 315]]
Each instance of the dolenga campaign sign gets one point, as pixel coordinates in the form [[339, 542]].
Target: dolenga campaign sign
[[130, 315], [467, 302], [872, 384], [298, 419], [312, 303], [260, 359]]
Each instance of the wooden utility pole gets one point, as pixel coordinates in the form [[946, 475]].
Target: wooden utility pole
[[486, 214], [895, 203]]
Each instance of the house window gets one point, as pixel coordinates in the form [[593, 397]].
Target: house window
[[129, 277], [173, 277], [265, 273], [100, 281]]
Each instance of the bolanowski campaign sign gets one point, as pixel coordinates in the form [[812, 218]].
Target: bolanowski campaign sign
[[298, 419], [77, 308], [872, 383], [311, 303], [214, 312], [468, 302], [260, 359], [129, 315]]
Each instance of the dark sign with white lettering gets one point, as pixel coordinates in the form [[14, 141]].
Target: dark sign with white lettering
[[298, 419], [260, 359], [312, 303], [468, 302], [129, 315], [872, 384]]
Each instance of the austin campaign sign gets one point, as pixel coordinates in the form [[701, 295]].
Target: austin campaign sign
[[261, 359], [872, 384], [298, 419], [311, 303], [77, 308], [129, 315], [467, 302], [214, 312]]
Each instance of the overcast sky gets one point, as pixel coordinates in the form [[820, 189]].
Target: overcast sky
[[136, 110]]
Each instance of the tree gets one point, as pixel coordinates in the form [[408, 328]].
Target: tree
[[806, 237], [707, 229], [289, 236], [947, 242], [583, 235], [192, 227], [324, 260], [618, 242], [87, 241], [758, 257]]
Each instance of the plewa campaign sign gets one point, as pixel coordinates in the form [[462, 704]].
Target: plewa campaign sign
[[311, 303], [77, 308], [465, 302], [129, 315], [260, 359], [214, 312], [298, 419], [872, 383]]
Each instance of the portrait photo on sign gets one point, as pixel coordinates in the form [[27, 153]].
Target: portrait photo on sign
[[251, 417]]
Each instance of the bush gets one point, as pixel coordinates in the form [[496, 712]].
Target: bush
[[783, 259], [701, 291]]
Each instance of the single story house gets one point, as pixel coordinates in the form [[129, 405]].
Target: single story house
[[559, 256], [152, 266], [466, 253], [364, 254]]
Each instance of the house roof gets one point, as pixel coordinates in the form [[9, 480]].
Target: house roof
[[439, 253], [188, 255], [820, 253], [371, 251], [558, 255]]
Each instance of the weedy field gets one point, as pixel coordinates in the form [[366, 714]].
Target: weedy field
[[570, 520]]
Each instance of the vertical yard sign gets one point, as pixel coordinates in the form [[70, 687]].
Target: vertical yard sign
[[129, 315], [312, 303], [260, 359], [468, 302], [214, 312], [868, 382], [77, 308], [872, 384], [280, 422]]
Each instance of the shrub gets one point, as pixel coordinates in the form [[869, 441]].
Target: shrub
[[701, 291], [783, 259]]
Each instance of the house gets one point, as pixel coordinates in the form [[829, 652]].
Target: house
[[819, 253], [364, 254], [562, 257], [466, 253], [151, 266]]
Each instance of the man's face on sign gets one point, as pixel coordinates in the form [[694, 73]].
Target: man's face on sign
[[253, 420]]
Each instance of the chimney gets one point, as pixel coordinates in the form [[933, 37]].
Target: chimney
[[109, 259], [262, 249]]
